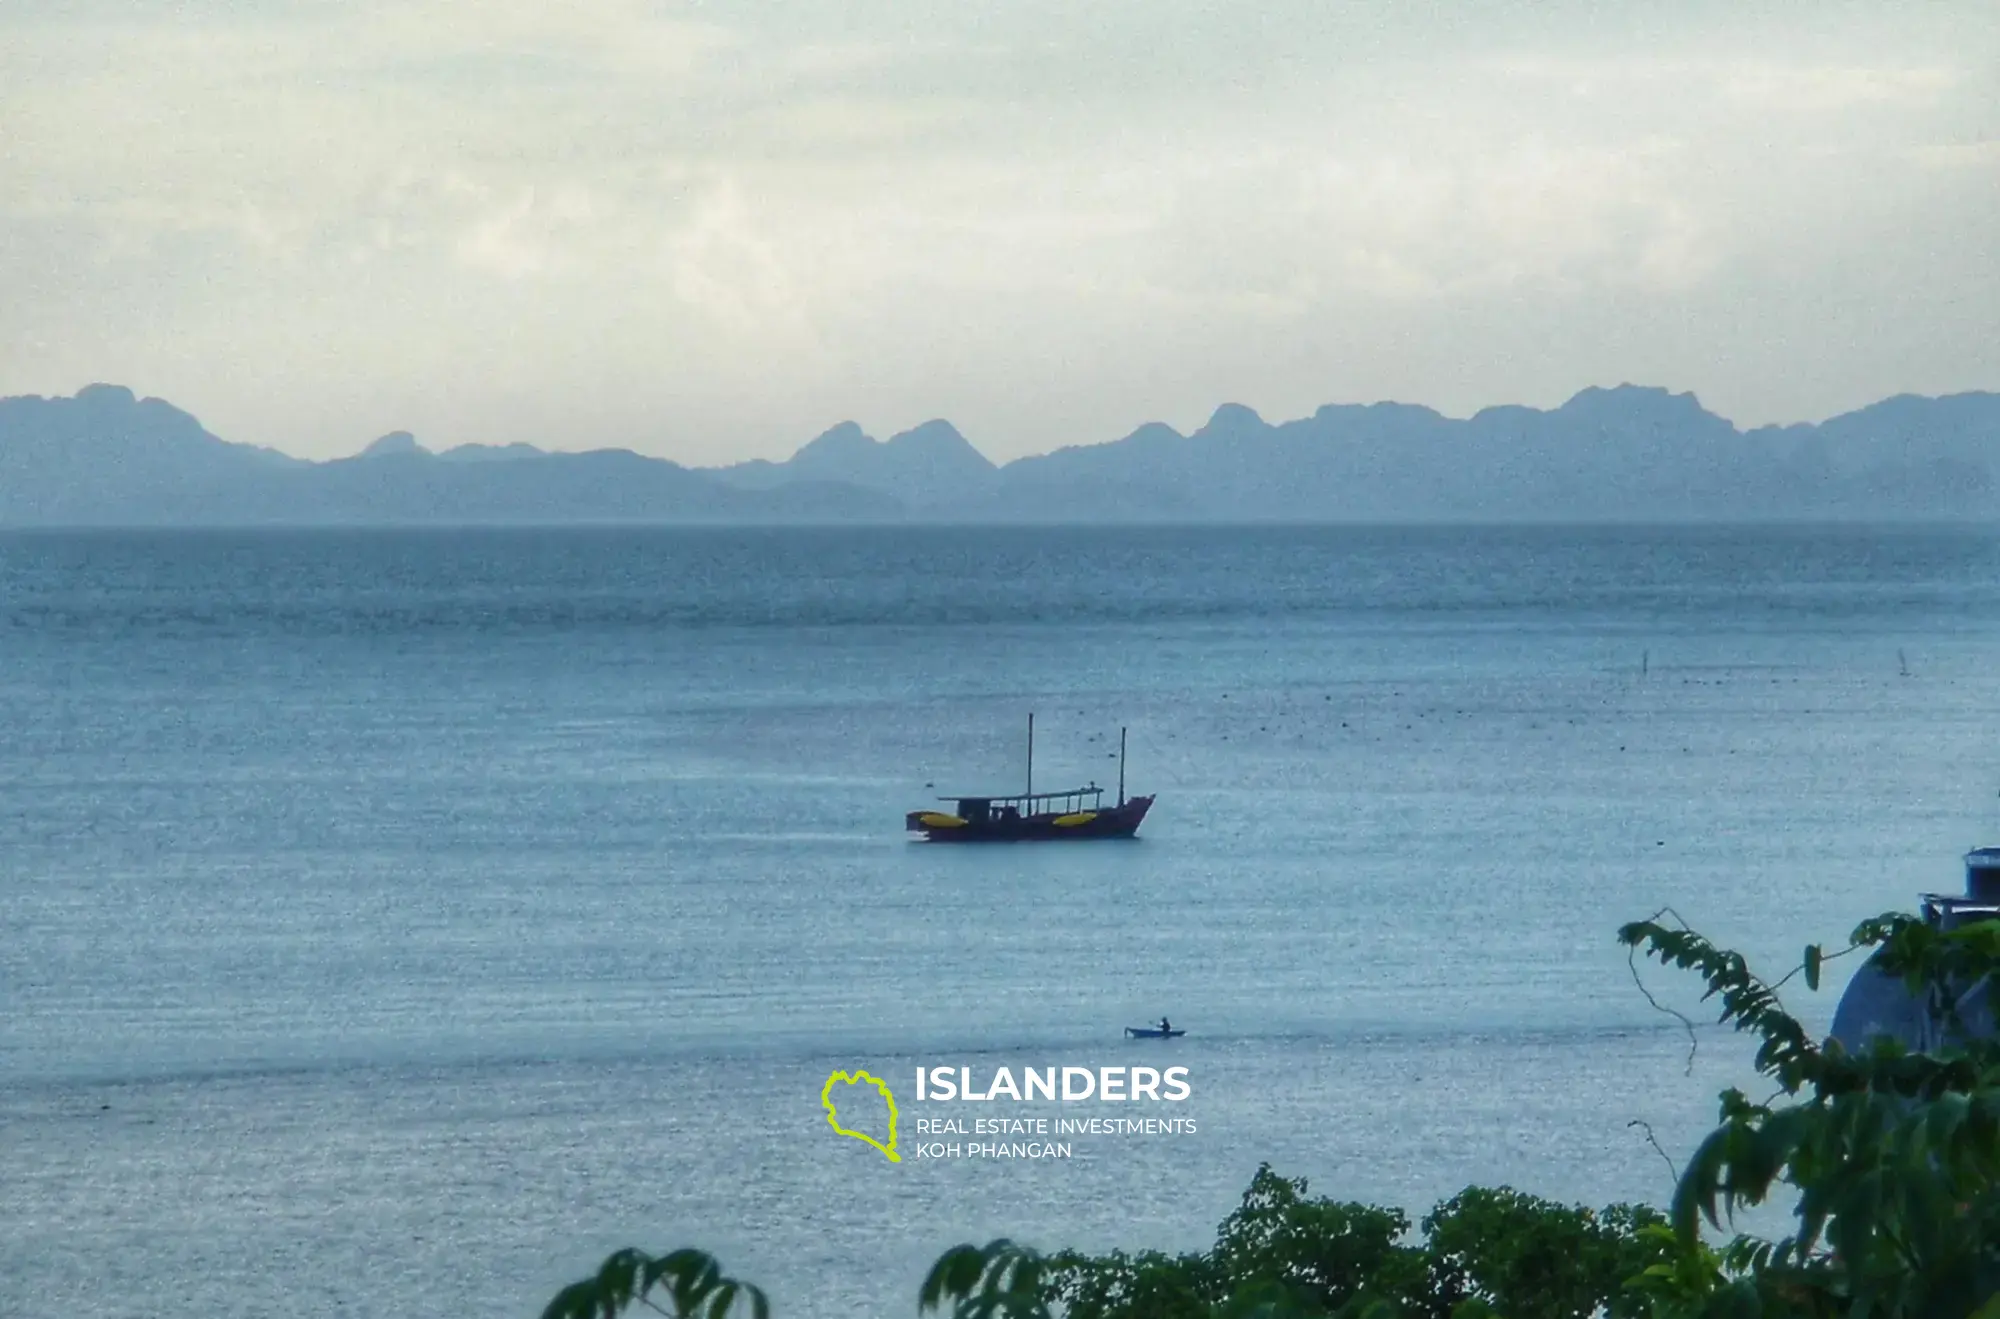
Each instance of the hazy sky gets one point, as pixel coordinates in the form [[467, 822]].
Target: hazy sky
[[710, 231]]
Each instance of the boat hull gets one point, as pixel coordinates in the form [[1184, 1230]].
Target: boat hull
[[1110, 822], [1153, 1033]]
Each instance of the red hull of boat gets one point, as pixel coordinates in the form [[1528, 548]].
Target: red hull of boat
[[1110, 822]]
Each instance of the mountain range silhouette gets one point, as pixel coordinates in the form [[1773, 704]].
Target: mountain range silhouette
[[1627, 454]]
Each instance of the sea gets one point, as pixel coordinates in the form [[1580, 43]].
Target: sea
[[397, 923]]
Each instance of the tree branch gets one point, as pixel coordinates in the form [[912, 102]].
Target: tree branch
[[1652, 1140], [1632, 963]]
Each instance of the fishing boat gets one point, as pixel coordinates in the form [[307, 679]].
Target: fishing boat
[[1153, 1033], [1071, 813]]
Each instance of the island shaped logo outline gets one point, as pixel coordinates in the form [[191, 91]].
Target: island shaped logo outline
[[833, 1114]]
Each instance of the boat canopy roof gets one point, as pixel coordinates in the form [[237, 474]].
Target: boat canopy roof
[[1092, 791]]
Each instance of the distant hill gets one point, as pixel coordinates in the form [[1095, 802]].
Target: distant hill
[[929, 467], [1626, 454], [105, 458]]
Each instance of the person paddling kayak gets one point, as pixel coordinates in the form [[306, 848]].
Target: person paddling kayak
[[1166, 1027]]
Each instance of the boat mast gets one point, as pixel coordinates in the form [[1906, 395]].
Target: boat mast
[[1031, 757], [1121, 767]]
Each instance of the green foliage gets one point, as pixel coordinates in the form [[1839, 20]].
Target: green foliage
[[1170, 1287], [997, 1281], [1279, 1253], [1325, 1253], [1889, 1160], [1285, 1255], [1531, 1257], [687, 1284]]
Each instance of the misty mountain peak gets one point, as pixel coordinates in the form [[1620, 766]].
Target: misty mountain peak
[[936, 430], [1154, 432], [939, 440], [394, 444], [150, 424], [1234, 417], [106, 396], [1649, 401], [835, 444], [925, 464]]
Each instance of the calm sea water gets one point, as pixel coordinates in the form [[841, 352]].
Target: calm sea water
[[397, 923]]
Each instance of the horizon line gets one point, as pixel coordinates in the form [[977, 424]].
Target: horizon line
[[1950, 522]]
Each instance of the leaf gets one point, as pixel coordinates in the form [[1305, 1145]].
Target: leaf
[[954, 1275]]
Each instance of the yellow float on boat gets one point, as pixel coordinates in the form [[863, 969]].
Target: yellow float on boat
[[937, 820], [1071, 821]]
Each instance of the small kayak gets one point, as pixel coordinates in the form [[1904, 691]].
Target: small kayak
[[1152, 1033]]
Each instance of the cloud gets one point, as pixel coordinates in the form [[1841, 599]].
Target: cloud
[[1819, 90], [536, 233], [1763, 82], [772, 215], [1982, 156]]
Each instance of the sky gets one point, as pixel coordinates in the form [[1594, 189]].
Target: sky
[[709, 232]]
